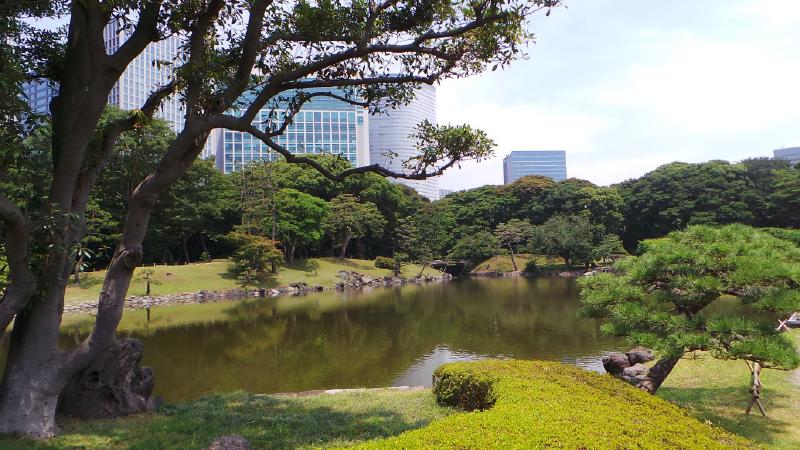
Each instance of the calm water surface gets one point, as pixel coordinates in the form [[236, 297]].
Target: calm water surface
[[379, 337]]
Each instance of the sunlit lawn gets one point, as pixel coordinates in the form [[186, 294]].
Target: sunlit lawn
[[502, 263], [268, 422], [718, 391], [213, 276]]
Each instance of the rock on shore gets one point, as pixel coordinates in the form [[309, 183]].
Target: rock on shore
[[350, 280]]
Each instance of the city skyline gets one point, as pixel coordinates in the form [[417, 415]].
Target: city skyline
[[652, 83]]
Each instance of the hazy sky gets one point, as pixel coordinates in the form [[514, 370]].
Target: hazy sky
[[627, 85]]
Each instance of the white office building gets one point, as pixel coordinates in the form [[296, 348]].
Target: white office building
[[389, 134]]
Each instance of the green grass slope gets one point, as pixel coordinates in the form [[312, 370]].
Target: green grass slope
[[502, 263], [543, 405], [213, 276], [718, 391], [268, 422]]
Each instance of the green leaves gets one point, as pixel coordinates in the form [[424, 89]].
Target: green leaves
[[659, 299]]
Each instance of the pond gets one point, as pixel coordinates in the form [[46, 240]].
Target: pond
[[369, 338]]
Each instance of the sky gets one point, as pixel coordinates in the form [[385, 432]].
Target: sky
[[625, 86]]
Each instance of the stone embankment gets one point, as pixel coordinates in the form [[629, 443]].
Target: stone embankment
[[350, 280]]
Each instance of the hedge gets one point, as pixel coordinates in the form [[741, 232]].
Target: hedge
[[532, 404]]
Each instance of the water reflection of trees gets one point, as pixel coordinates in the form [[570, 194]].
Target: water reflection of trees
[[366, 339]]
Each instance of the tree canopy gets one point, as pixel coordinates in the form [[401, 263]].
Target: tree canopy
[[660, 298], [235, 59]]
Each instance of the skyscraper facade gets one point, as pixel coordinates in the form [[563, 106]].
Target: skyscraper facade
[[389, 138], [323, 125], [547, 163], [789, 154], [147, 72]]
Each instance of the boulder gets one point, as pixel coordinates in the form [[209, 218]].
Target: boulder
[[112, 386], [640, 355], [615, 363], [232, 442], [635, 370]]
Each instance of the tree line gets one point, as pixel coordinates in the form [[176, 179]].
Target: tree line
[[303, 213]]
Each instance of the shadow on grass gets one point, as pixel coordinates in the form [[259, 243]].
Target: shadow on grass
[[724, 407], [268, 422]]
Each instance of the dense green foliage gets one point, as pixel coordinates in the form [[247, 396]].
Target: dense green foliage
[[349, 219], [572, 219], [255, 256], [536, 405], [756, 192], [659, 299], [570, 237]]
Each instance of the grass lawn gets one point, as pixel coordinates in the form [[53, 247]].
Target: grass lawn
[[213, 276], [502, 263], [718, 391], [268, 422]]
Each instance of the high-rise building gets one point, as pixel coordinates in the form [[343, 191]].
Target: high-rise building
[[389, 137], [323, 125], [147, 72], [547, 163], [445, 192], [789, 154]]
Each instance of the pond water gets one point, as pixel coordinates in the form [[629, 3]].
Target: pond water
[[370, 338]]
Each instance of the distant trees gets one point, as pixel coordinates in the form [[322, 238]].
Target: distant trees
[[299, 218], [475, 247], [513, 234], [660, 298], [785, 198], [680, 194], [255, 256], [569, 237], [350, 219]]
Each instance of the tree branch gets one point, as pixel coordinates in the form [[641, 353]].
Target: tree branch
[[22, 281], [146, 31], [234, 123]]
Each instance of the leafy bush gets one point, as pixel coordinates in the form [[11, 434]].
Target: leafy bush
[[531, 267], [384, 262], [544, 404], [463, 389], [253, 258]]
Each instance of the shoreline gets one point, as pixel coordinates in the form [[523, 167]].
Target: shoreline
[[561, 273], [350, 280]]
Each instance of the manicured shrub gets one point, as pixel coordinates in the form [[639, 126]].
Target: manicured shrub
[[384, 262], [463, 389], [551, 405]]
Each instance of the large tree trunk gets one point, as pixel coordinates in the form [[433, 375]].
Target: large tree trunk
[[185, 250], [31, 384], [513, 261], [345, 245], [657, 374]]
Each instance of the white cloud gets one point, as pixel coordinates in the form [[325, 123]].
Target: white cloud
[[520, 126], [723, 83], [707, 86]]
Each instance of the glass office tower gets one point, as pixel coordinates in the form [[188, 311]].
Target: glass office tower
[[547, 163], [143, 75], [789, 154], [323, 125]]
